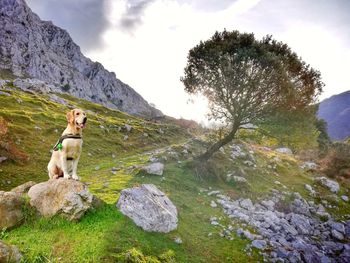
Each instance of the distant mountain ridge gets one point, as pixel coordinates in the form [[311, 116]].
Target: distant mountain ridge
[[336, 112], [30, 47]]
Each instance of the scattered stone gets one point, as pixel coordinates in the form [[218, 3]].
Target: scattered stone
[[284, 150], [126, 137], [336, 234], [259, 244], [149, 208], [128, 127], [269, 204], [309, 166], [97, 167], [345, 198], [68, 198], [239, 179], [214, 193], [2, 159], [247, 204], [213, 204], [333, 186], [10, 209], [178, 240], [154, 168], [23, 188], [9, 254], [310, 189]]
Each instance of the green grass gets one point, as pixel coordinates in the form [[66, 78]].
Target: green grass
[[105, 234]]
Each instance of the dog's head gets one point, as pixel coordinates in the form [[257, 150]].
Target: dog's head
[[77, 118]]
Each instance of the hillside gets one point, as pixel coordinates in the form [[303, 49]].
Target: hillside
[[336, 112], [111, 161], [30, 47]]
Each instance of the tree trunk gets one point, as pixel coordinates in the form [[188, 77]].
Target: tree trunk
[[216, 146]]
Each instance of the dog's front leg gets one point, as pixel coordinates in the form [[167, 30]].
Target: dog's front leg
[[64, 165], [75, 168]]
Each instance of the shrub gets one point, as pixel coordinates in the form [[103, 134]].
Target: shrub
[[337, 160]]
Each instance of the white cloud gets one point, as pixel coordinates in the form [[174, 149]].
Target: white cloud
[[152, 56]]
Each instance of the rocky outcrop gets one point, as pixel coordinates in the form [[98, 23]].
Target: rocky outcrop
[[9, 254], [299, 235], [68, 198], [10, 209], [154, 168], [284, 150], [149, 208], [39, 49]]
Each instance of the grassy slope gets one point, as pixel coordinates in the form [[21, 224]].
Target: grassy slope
[[104, 233]]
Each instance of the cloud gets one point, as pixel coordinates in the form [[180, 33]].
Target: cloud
[[133, 13], [85, 20]]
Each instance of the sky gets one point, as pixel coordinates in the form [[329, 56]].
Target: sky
[[146, 42]]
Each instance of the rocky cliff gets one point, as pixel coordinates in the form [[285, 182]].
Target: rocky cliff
[[33, 48]]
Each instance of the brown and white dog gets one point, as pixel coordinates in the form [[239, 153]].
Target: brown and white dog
[[64, 160]]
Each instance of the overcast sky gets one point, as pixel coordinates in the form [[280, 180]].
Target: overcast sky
[[145, 42]]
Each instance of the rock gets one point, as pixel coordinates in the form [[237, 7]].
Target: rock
[[68, 198], [39, 49], [338, 227], [301, 223], [97, 167], [11, 205], [269, 204], [128, 127], [239, 179], [336, 234], [284, 150], [333, 186], [259, 244], [213, 204], [23, 188], [9, 254], [149, 208], [246, 203], [214, 193], [310, 189], [154, 168], [345, 198], [178, 240], [237, 152], [2, 159], [309, 166]]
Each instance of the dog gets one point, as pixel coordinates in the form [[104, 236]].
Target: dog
[[65, 156]]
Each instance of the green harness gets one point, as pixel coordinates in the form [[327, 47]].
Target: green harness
[[58, 146]]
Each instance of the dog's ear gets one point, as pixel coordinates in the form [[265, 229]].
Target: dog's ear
[[70, 117]]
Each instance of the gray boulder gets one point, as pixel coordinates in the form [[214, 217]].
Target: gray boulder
[[333, 186], [154, 168], [10, 209], [284, 150], [9, 254], [149, 208], [68, 198]]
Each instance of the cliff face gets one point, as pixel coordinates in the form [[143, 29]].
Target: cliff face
[[336, 112], [33, 48]]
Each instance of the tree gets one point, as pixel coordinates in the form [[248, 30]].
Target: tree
[[246, 80]]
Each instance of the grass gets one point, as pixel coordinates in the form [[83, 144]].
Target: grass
[[104, 235]]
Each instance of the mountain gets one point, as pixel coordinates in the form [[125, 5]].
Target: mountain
[[30, 47], [336, 112]]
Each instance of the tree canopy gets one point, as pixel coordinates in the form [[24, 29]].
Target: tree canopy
[[247, 80]]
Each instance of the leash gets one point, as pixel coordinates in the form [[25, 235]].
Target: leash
[[58, 145]]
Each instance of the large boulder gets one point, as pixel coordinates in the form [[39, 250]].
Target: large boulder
[[149, 208], [9, 254], [333, 186], [154, 168], [10, 209], [68, 198], [23, 188]]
